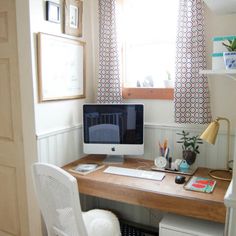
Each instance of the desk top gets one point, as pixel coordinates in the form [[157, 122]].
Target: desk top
[[164, 195]]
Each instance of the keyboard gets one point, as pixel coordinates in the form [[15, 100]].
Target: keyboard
[[144, 174]]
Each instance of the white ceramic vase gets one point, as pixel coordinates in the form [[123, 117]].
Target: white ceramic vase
[[168, 84], [230, 60]]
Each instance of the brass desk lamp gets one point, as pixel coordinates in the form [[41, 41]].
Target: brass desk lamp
[[209, 135]]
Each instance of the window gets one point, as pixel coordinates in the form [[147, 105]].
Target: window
[[147, 30]]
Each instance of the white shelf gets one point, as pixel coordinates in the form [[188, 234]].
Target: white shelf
[[222, 6], [228, 73]]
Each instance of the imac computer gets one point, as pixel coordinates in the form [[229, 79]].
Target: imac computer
[[113, 129]]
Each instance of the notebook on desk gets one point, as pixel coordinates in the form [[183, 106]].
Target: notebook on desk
[[200, 184]]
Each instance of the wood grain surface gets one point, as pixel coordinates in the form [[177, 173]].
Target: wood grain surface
[[164, 195]]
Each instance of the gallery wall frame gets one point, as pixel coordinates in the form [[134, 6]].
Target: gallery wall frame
[[61, 68], [73, 11], [53, 12]]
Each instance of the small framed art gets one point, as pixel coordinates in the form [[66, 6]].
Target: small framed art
[[53, 12], [73, 17]]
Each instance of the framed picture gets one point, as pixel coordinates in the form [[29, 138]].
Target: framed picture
[[61, 68], [53, 12], [73, 17]]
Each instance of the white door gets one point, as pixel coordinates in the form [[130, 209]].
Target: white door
[[13, 203]]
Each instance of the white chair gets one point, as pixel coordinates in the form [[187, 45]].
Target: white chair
[[58, 198]]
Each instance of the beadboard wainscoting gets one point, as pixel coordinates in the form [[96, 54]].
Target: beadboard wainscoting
[[60, 147], [212, 156], [63, 146]]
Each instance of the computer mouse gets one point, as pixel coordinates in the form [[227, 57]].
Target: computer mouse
[[179, 179]]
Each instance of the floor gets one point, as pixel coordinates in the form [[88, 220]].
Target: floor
[[132, 229]]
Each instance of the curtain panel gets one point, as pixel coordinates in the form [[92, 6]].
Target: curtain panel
[[109, 82], [191, 99]]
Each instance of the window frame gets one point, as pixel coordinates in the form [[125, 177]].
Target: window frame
[[148, 93], [142, 92]]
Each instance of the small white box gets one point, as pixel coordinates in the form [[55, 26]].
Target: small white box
[[172, 224], [218, 61]]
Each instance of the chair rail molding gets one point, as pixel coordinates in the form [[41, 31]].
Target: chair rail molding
[[64, 145]]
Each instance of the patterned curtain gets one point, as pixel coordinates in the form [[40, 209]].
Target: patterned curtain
[[192, 100], [109, 84]]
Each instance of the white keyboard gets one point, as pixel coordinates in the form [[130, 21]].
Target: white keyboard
[[144, 174]]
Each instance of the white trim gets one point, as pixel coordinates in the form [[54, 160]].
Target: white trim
[[146, 125], [56, 132], [189, 127], [229, 198], [172, 126]]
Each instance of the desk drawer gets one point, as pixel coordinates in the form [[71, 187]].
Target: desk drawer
[[170, 232], [185, 226]]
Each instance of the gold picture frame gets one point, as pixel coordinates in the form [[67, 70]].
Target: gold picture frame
[[73, 17], [61, 68]]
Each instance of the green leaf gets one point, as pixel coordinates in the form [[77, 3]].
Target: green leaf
[[190, 143], [227, 46], [233, 45]]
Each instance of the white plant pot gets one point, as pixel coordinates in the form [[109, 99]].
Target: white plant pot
[[230, 60], [168, 84], [218, 61]]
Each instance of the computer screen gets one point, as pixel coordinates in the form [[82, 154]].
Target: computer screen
[[113, 129]]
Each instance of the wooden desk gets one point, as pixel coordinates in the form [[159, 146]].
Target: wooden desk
[[164, 195]]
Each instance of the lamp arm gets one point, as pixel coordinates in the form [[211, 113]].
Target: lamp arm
[[228, 138]]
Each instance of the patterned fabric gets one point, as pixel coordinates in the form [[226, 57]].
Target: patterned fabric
[[192, 100], [109, 84]]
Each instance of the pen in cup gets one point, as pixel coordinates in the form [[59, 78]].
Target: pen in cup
[[166, 154], [161, 150]]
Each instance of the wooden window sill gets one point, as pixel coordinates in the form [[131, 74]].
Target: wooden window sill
[[148, 93]]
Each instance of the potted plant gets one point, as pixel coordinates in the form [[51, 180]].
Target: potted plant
[[168, 83], [190, 146], [230, 56]]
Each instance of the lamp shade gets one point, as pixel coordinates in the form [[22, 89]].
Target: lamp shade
[[210, 134]]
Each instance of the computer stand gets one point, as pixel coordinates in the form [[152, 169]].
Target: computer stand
[[114, 159]]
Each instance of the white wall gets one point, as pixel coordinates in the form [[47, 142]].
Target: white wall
[[59, 115], [222, 89], [51, 116], [159, 114], [58, 123]]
